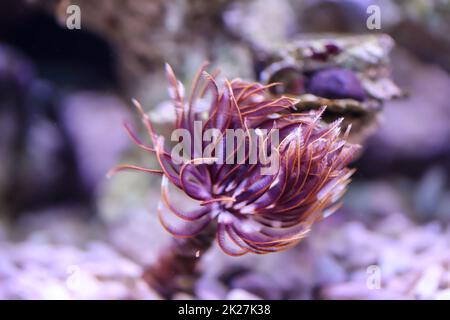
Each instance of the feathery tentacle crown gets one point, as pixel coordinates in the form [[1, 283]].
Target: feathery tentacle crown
[[254, 212]]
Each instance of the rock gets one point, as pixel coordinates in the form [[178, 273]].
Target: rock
[[394, 260], [239, 294], [16, 72], [428, 283], [16, 77], [94, 124], [44, 265], [261, 286], [328, 270], [429, 193], [336, 83], [260, 22], [442, 295], [210, 289], [358, 291], [414, 131]]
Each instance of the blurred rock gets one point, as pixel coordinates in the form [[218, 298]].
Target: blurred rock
[[407, 256], [239, 294], [414, 131], [16, 76], [53, 255], [348, 73], [49, 267], [145, 34], [59, 224], [369, 200], [259, 285], [31, 144], [358, 291], [336, 84], [210, 289], [344, 15], [423, 29], [138, 234], [94, 125], [16, 72], [260, 22], [428, 283], [421, 26], [430, 193], [328, 270]]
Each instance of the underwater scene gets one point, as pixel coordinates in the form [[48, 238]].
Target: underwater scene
[[224, 150]]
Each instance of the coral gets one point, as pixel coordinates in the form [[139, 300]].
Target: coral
[[255, 212], [247, 209]]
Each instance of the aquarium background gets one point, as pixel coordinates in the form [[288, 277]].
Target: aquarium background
[[68, 232]]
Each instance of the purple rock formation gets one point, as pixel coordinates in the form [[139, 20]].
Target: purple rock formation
[[336, 83], [94, 125]]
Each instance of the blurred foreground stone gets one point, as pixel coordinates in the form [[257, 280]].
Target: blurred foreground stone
[[55, 255], [70, 261]]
